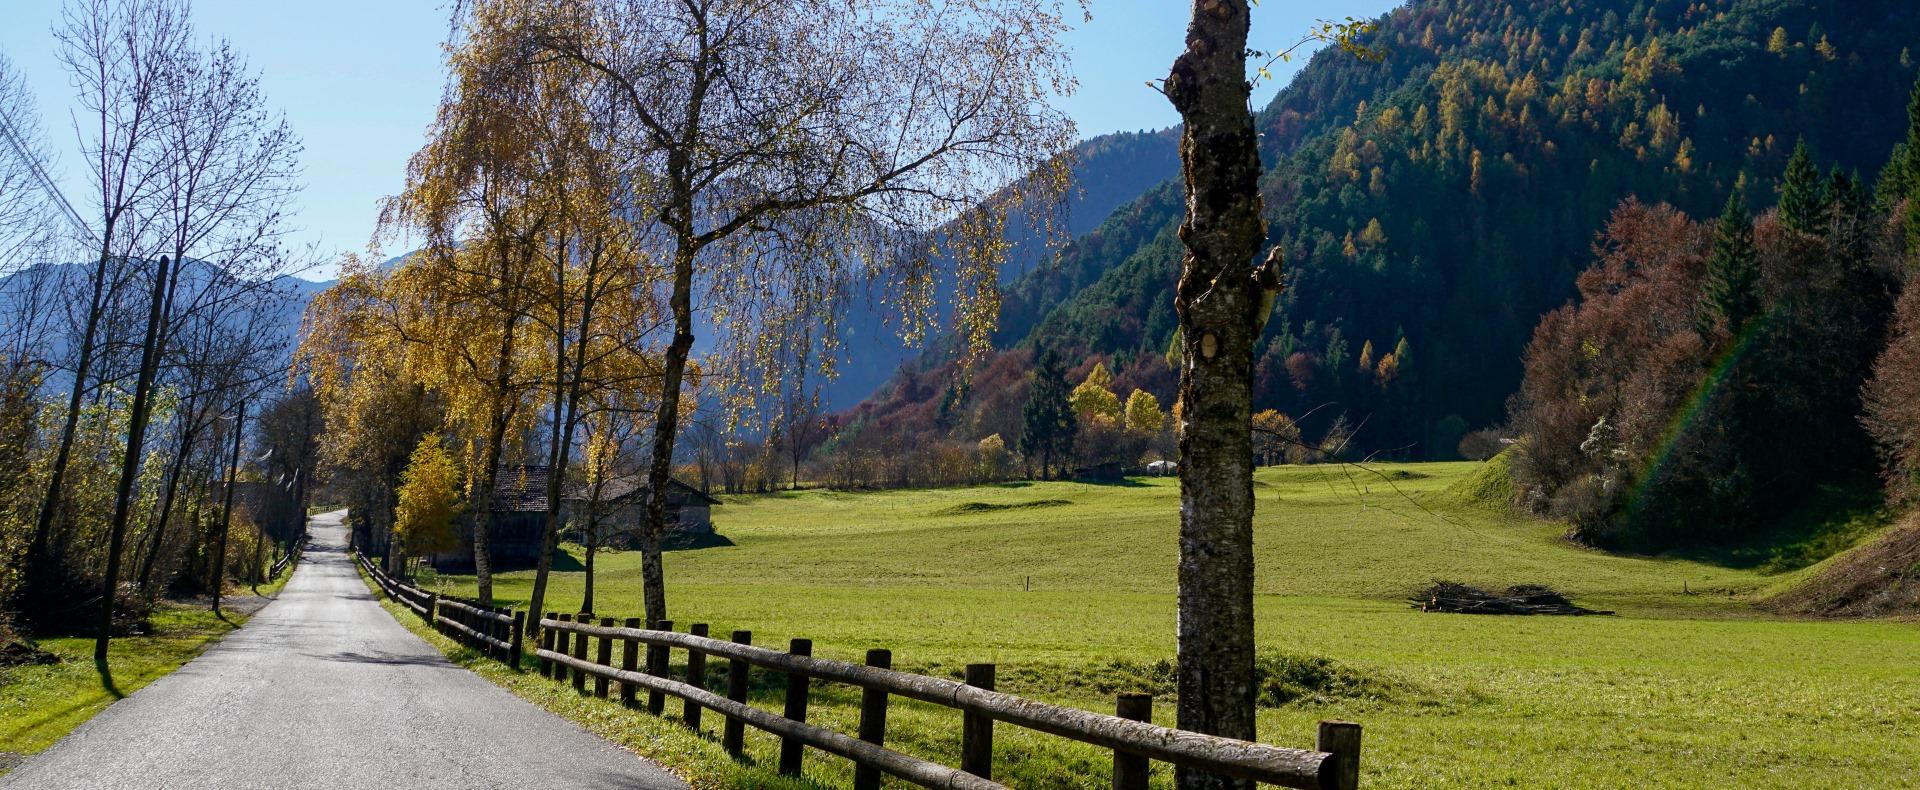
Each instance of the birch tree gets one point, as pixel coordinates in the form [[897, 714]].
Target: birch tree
[[782, 152], [1223, 302]]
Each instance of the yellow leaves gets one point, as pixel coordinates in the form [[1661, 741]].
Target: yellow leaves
[[1093, 401], [428, 499], [1143, 413]]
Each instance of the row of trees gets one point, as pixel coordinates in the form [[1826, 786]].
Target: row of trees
[[1712, 373], [607, 181], [144, 327]]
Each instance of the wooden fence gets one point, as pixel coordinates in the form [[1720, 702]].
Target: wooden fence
[[567, 652], [287, 559], [493, 631]]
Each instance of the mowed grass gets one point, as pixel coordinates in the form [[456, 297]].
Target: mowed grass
[[1689, 686], [41, 704]]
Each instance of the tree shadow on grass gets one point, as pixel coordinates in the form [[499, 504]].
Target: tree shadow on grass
[[106, 678], [1830, 519]]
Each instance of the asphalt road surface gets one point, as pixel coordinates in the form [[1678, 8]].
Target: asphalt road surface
[[323, 689]]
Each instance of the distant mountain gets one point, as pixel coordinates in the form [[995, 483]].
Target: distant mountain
[[1109, 172], [1433, 206], [286, 307]]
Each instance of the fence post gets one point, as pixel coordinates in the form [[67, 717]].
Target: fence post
[[1342, 740], [629, 659], [580, 651], [500, 629], [873, 721], [657, 667], [976, 731], [563, 644], [433, 611], [735, 730], [1130, 770], [792, 750], [696, 677], [546, 643], [516, 648], [605, 659]]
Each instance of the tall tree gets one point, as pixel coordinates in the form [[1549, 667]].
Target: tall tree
[[787, 151], [1222, 303], [1048, 424], [226, 171], [1803, 205], [1216, 302], [1732, 270], [117, 53]]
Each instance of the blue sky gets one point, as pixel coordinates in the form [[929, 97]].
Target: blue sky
[[359, 80]]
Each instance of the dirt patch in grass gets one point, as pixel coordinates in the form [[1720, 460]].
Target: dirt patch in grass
[[1879, 579], [971, 508]]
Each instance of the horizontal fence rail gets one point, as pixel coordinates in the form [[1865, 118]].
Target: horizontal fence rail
[[495, 632], [287, 559], [567, 652], [1299, 768]]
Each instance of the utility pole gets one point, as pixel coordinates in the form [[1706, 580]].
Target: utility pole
[[226, 511]]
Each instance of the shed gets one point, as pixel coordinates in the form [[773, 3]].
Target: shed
[[620, 501]]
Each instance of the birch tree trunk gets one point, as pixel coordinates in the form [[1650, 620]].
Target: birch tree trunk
[[1216, 300]]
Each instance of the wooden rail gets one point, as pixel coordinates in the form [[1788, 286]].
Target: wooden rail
[[494, 631], [282, 563], [1333, 766]]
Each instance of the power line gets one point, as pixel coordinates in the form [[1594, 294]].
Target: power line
[[46, 183]]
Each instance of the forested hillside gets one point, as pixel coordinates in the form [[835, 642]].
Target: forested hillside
[[1109, 171], [1433, 206]]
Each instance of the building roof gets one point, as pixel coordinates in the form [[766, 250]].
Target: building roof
[[520, 488], [627, 486]]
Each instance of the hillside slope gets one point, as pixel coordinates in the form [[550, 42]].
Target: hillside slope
[[1432, 207], [1878, 578]]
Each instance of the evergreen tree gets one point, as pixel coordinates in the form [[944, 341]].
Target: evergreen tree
[[1908, 154], [1048, 422], [1896, 178], [1802, 204], [1852, 211], [1731, 271]]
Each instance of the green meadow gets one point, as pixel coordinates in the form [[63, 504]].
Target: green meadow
[[1069, 588]]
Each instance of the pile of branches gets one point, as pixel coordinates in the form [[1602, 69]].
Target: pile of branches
[[1458, 598]]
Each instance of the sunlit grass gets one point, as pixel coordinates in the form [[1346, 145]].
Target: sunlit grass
[[1690, 686], [40, 704]]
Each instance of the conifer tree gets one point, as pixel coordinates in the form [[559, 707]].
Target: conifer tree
[[1802, 206], [1048, 423], [1731, 271], [1908, 154]]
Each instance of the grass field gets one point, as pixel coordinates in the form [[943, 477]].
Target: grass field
[[1695, 688]]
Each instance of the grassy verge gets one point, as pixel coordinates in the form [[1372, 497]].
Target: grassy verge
[[1691, 686], [41, 704]]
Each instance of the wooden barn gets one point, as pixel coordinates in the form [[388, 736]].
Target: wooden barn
[[614, 510], [519, 514]]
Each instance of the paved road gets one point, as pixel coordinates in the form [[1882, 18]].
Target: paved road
[[323, 689]]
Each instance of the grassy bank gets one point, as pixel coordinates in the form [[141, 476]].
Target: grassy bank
[[1690, 685], [41, 704]]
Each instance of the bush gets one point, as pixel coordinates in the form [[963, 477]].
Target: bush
[[1482, 444]]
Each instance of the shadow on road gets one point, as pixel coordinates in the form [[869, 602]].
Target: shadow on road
[[435, 661]]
